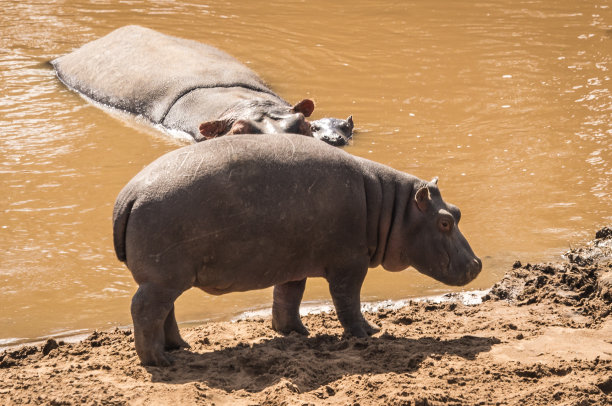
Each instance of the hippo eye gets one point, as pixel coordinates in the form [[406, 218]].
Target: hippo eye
[[446, 222]]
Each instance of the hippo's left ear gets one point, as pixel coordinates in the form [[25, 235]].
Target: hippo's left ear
[[350, 121], [306, 107], [212, 129], [422, 199], [434, 180]]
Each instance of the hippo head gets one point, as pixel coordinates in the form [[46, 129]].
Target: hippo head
[[333, 130], [430, 241], [260, 117]]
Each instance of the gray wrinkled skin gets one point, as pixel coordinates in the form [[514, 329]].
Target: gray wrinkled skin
[[180, 84], [333, 131], [248, 212]]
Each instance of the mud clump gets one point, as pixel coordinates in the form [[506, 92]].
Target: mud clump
[[604, 233], [49, 346], [583, 281]]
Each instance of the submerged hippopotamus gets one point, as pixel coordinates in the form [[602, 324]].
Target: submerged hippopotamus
[[333, 131], [180, 84], [207, 215]]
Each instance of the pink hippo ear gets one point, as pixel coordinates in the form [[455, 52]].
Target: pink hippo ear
[[422, 199], [306, 107], [213, 129]]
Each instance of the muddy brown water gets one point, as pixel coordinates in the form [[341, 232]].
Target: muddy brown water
[[508, 102]]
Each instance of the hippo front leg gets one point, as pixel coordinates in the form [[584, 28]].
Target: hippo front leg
[[345, 289], [286, 307]]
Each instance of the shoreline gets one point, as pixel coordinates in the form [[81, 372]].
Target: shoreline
[[541, 335], [470, 297]]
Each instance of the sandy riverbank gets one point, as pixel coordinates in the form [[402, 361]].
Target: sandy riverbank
[[542, 335]]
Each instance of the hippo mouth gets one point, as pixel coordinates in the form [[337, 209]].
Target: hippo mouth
[[336, 141], [448, 274], [466, 275]]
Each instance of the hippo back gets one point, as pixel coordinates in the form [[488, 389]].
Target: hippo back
[[145, 72]]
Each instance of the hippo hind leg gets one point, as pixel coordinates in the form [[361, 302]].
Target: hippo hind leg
[[153, 316], [173, 338], [286, 307]]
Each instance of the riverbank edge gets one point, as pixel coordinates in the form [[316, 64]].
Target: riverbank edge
[[541, 335]]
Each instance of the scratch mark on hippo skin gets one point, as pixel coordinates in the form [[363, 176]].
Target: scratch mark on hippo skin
[[229, 148], [197, 169], [291, 142], [157, 256], [186, 155], [312, 185], [232, 152]]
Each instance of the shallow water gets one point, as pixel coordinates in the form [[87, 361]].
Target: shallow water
[[507, 102]]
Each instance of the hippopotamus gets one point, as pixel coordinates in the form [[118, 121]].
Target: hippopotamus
[[180, 84], [333, 131], [208, 216]]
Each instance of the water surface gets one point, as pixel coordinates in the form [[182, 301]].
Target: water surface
[[508, 102]]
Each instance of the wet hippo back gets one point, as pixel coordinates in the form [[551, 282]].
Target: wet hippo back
[[145, 72]]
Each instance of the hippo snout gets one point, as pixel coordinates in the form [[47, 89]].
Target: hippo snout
[[469, 272], [474, 269], [336, 141]]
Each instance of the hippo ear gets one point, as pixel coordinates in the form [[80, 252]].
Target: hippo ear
[[435, 180], [212, 129], [350, 121], [422, 199], [306, 107]]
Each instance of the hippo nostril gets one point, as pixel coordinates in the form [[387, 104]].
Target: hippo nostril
[[476, 267], [333, 140]]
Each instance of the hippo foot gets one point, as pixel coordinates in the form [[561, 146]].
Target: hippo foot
[[287, 327], [361, 329], [154, 359], [356, 331], [176, 344], [370, 329]]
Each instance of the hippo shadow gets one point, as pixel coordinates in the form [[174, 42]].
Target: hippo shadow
[[310, 362]]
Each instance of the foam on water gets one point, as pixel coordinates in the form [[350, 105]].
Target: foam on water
[[469, 298]]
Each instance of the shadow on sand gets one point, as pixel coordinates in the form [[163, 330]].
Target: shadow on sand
[[310, 362]]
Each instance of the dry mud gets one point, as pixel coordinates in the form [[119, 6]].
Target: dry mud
[[542, 335]]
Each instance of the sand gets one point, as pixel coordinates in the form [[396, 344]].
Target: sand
[[541, 336]]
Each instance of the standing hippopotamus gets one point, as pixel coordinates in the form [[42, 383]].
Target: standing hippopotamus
[[180, 84], [208, 215]]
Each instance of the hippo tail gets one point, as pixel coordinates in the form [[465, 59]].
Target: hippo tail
[[121, 214]]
